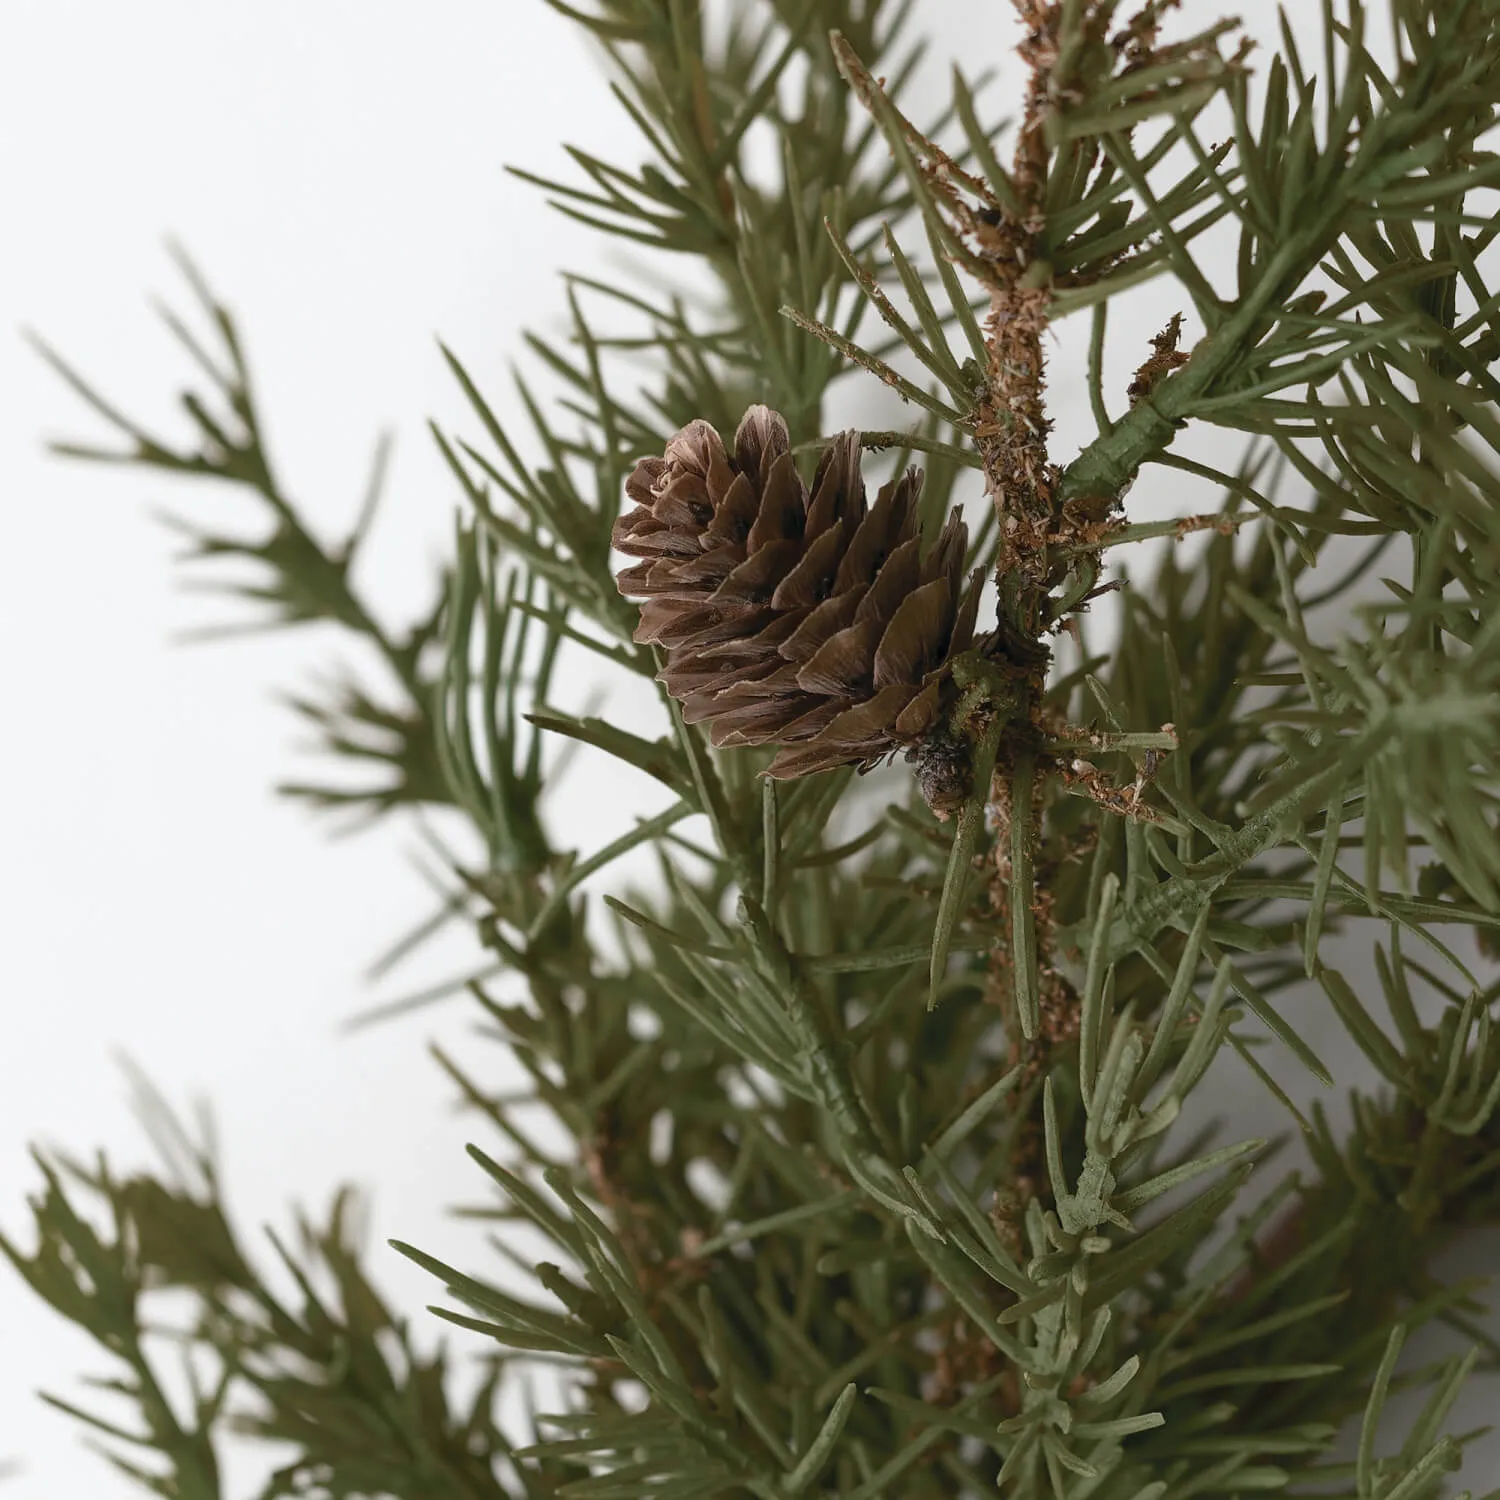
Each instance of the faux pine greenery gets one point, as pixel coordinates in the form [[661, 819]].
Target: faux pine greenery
[[876, 1185]]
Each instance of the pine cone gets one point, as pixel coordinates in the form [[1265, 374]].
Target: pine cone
[[795, 617]]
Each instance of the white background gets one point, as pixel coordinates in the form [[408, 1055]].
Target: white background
[[336, 168]]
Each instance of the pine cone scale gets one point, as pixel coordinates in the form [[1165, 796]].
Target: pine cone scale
[[921, 713], [914, 639], [822, 622], [734, 518], [811, 580], [755, 579], [781, 512], [898, 576], [844, 664], [711, 626]]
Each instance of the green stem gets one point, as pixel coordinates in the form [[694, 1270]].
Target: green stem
[[1111, 461]]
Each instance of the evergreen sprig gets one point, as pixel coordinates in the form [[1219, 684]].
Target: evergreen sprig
[[879, 1184]]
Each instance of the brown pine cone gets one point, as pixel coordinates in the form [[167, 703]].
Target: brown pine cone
[[799, 618]]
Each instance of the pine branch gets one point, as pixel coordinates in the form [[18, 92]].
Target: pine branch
[[877, 1182]]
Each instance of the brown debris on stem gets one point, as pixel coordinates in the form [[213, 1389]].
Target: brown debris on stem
[[1165, 357]]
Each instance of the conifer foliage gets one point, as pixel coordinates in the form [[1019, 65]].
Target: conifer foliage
[[878, 1185]]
